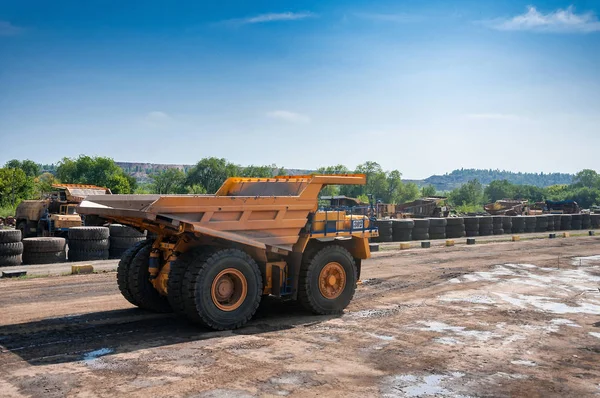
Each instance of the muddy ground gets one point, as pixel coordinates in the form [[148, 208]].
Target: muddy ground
[[501, 319]]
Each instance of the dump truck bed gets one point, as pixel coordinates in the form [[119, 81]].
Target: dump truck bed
[[259, 212]]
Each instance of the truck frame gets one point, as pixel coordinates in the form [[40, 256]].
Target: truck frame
[[215, 256]]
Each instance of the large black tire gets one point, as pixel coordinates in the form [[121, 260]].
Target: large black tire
[[455, 221], [10, 260], [175, 284], [309, 293], [43, 245], [138, 280], [44, 257], [498, 231], [470, 233], [437, 230], [437, 222], [84, 233], [421, 223], [88, 244], [123, 231], [586, 221], [437, 235], [402, 235], [10, 235], [124, 242], [88, 255], [123, 270], [402, 224], [595, 220], [11, 249], [421, 236], [565, 222], [198, 280]]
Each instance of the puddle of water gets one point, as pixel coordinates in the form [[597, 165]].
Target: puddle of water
[[523, 362], [92, 358], [440, 327], [588, 260], [381, 337], [474, 299], [447, 341], [422, 386], [547, 304], [565, 322]]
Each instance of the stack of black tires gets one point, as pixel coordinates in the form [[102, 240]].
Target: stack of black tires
[[11, 247], [530, 223], [122, 238], [385, 231], [595, 220], [550, 219], [518, 224], [498, 229], [565, 222], [557, 226], [507, 224], [471, 226], [88, 243], [437, 228], [486, 226], [541, 223], [44, 250], [455, 227], [421, 229], [402, 230], [576, 221], [586, 221]]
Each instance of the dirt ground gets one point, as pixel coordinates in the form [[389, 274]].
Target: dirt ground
[[500, 319]]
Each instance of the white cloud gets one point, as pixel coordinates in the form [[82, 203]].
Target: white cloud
[[566, 21], [270, 17], [288, 116], [8, 29], [492, 116]]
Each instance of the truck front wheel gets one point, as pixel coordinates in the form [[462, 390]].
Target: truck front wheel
[[327, 281], [222, 290]]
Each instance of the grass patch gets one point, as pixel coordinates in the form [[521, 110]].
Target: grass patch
[[6, 211]]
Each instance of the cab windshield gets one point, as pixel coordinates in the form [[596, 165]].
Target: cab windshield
[[68, 210]]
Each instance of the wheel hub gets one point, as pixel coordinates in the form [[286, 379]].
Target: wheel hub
[[229, 289], [332, 280]]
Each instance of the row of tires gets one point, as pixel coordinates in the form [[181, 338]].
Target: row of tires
[[403, 230], [84, 244]]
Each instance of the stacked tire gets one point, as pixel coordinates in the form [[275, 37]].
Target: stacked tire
[[550, 219], [455, 227], [88, 243], [518, 224], [486, 226], [437, 228], [576, 220], [11, 247], [530, 223], [385, 231], [541, 223], [402, 230], [122, 238], [565, 222], [507, 224], [44, 250], [421, 229], [498, 229], [595, 220], [471, 226], [557, 226], [586, 221]]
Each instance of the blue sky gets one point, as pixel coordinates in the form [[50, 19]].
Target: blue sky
[[420, 86]]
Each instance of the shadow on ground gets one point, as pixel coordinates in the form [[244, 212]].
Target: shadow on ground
[[70, 338]]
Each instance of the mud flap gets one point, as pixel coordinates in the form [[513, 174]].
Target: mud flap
[[294, 262]]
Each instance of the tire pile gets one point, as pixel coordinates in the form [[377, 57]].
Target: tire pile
[[486, 226], [565, 222], [576, 221], [498, 228], [455, 227], [586, 221], [437, 228], [557, 226], [507, 224], [88, 243], [11, 247], [122, 238], [550, 219], [44, 250], [421, 229], [595, 220], [385, 231], [541, 223], [402, 230], [471, 226], [530, 223], [518, 224]]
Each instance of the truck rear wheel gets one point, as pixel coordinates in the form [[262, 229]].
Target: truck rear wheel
[[142, 291], [327, 281], [222, 290], [123, 271]]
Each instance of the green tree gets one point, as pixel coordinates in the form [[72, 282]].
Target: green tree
[[210, 173], [497, 190], [332, 190], [29, 167], [14, 186], [410, 192], [586, 178], [99, 171], [428, 191], [470, 193], [43, 183], [169, 181], [195, 190], [258, 171], [395, 187]]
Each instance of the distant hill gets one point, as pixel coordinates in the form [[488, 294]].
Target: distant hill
[[456, 178]]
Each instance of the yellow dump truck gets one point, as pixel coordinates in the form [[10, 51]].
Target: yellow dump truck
[[56, 213], [215, 256]]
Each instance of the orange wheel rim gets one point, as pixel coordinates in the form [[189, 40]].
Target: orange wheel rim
[[332, 280], [229, 289]]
